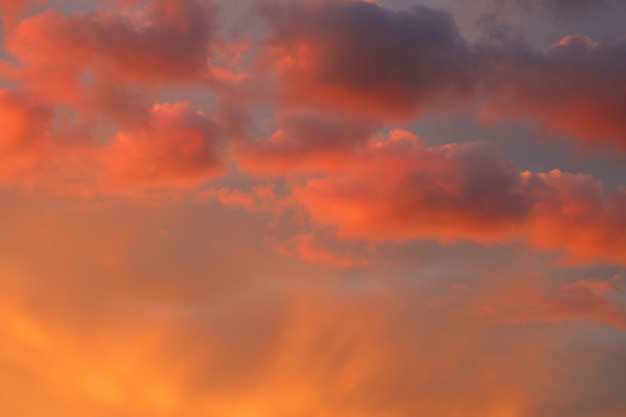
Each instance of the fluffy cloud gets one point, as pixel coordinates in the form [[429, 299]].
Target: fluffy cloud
[[177, 147], [399, 189], [178, 308], [576, 88], [361, 57], [11, 9], [163, 42]]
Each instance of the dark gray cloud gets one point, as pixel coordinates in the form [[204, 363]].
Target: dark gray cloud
[[393, 60], [364, 58]]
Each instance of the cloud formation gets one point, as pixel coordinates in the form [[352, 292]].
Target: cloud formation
[[205, 217], [178, 146], [361, 57], [583, 301], [400, 189], [25, 139], [162, 42], [575, 89]]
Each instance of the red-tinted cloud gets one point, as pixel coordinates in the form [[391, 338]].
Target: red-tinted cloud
[[11, 9], [177, 147], [577, 88], [26, 127], [163, 42], [399, 189]]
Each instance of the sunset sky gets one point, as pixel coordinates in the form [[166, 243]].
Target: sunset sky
[[313, 208]]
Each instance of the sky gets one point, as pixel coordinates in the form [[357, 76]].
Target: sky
[[312, 208]]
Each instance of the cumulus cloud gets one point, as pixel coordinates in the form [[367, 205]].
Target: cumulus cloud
[[362, 57], [162, 42], [177, 147], [179, 308], [576, 88], [10, 10], [400, 189]]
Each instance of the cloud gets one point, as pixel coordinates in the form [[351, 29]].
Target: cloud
[[177, 147], [163, 42], [568, 7], [399, 189], [43, 147], [363, 58], [575, 89], [184, 326], [178, 309], [10, 10], [306, 247], [304, 143], [583, 301], [26, 132]]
